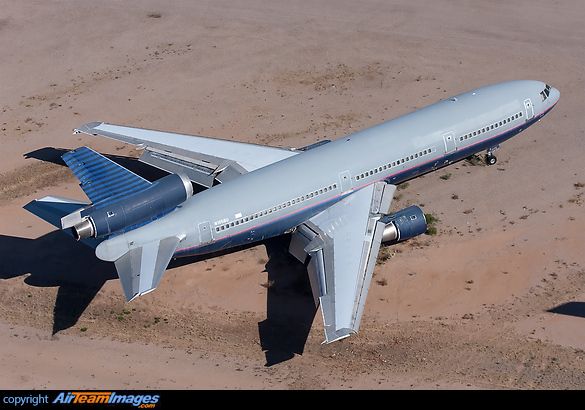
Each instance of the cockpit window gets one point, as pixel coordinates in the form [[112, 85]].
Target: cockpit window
[[545, 93]]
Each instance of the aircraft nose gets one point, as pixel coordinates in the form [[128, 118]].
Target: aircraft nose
[[555, 94]]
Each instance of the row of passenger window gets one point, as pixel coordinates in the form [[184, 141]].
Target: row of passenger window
[[389, 165], [254, 216], [491, 126]]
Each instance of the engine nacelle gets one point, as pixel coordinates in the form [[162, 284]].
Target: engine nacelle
[[105, 219], [404, 224]]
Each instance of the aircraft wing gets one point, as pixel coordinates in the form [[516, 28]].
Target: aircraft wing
[[202, 159], [343, 242]]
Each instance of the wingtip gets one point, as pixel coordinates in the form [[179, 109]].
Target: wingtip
[[86, 128], [335, 335]]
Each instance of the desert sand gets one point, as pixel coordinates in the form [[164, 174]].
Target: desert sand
[[495, 300]]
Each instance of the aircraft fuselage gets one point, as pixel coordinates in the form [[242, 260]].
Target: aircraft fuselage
[[275, 199]]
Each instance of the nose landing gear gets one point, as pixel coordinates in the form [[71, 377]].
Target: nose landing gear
[[490, 159]]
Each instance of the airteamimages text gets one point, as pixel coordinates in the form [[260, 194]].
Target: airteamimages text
[[138, 400], [143, 401]]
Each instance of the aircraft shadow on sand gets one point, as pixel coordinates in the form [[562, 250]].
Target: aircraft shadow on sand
[[290, 309], [576, 309], [55, 259]]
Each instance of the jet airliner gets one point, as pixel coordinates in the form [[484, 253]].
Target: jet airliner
[[333, 197]]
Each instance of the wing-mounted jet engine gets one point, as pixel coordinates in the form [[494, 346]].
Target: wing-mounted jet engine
[[404, 224]]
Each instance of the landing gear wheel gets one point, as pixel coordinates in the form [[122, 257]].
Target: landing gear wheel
[[490, 159]]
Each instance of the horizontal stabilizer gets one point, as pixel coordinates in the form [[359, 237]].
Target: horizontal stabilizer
[[53, 208], [141, 268]]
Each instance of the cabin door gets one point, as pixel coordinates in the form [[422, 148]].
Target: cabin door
[[449, 139], [345, 181], [205, 233], [529, 109]]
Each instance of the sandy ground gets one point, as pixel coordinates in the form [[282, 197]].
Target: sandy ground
[[496, 300]]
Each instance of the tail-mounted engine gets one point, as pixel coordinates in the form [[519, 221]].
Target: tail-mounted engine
[[108, 217], [404, 224]]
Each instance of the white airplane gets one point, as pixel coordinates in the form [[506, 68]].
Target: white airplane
[[334, 197]]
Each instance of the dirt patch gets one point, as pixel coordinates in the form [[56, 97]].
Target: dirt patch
[[27, 180]]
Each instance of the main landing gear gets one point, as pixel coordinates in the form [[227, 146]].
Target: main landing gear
[[490, 158]]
